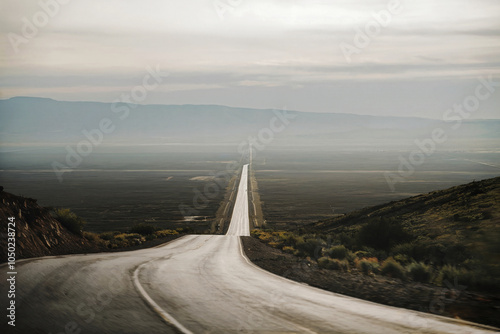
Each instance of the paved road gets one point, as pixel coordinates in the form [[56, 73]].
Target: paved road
[[240, 223], [198, 284]]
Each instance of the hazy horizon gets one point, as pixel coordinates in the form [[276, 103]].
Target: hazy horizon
[[472, 118]]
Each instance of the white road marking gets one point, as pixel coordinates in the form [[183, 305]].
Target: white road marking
[[161, 312]]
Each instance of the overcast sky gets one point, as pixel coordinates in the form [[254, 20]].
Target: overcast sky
[[425, 56]]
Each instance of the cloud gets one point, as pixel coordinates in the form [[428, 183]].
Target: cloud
[[96, 48]]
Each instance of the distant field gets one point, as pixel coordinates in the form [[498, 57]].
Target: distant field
[[310, 186], [113, 191], [116, 187], [115, 200]]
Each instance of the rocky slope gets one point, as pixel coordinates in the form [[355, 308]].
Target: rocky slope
[[37, 232], [471, 208]]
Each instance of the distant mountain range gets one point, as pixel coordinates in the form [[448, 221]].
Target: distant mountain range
[[40, 120]]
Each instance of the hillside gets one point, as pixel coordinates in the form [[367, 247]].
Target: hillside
[[439, 237], [456, 231], [37, 232], [467, 214]]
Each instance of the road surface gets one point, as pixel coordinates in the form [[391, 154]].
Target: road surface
[[240, 223], [195, 284]]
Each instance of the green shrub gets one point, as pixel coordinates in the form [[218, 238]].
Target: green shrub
[[288, 249], [419, 272], [426, 250], [92, 237], [112, 244], [403, 259], [274, 244], [392, 268], [404, 249], [371, 252], [361, 254], [324, 262], [351, 257], [165, 233], [347, 240], [121, 236], [264, 236], [337, 252], [131, 236], [187, 229], [108, 235], [134, 239], [476, 278], [448, 273], [309, 247], [70, 220], [255, 233], [339, 265], [143, 229], [333, 264], [367, 265], [120, 242], [292, 239]]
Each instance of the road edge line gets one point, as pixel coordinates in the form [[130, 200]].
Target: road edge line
[[154, 306]]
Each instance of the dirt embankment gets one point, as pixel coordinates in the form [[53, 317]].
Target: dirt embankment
[[452, 301], [37, 232], [256, 215], [223, 214]]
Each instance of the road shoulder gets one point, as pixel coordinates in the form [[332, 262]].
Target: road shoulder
[[388, 291]]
